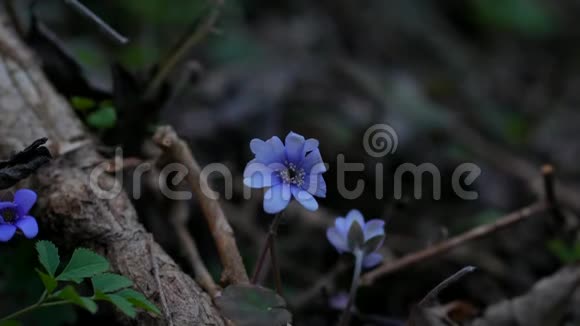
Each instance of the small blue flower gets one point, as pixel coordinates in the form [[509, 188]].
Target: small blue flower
[[352, 234], [14, 215], [291, 169]]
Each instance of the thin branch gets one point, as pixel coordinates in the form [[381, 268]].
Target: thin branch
[[12, 14], [197, 35], [452, 243], [432, 295], [83, 10], [550, 193], [178, 151], [178, 218]]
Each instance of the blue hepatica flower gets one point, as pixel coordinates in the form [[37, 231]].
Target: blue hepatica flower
[[293, 168], [14, 216], [352, 234]]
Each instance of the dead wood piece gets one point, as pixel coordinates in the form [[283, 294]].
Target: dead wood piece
[[544, 305], [30, 109]]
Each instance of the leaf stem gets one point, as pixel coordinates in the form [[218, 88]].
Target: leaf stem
[[39, 304], [270, 245], [345, 318], [275, 265]]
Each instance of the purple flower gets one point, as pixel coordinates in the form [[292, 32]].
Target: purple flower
[[291, 169], [14, 215], [352, 234], [339, 301]]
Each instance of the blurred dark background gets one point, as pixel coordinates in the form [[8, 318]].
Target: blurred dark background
[[493, 82]]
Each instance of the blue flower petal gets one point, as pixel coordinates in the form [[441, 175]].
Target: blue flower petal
[[7, 231], [268, 151], [374, 228], [257, 146], [372, 260], [310, 145], [294, 148], [337, 240], [24, 199], [6, 204], [317, 187], [355, 215], [28, 226], [342, 226], [258, 175], [313, 163], [277, 198], [305, 199]]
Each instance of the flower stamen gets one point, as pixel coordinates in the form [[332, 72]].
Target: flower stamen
[[292, 174], [9, 215]]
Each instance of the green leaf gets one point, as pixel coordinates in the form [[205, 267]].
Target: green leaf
[[249, 305], [139, 300], [104, 118], [109, 282], [356, 236], [120, 302], [123, 304], [70, 294], [84, 263], [82, 103], [49, 281], [10, 323], [48, 256]]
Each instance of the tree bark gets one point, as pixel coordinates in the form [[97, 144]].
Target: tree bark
[[31, 109]]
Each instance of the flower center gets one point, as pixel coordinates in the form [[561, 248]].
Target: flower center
[[292, 175], [9, 215]]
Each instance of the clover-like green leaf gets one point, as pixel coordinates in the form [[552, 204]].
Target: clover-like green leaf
[[50, 283], [82, 103], [120, 302], [250, 305], [84, 263], [70, 294], [109, 282], [103, 118], [139, 300], [48, 256]]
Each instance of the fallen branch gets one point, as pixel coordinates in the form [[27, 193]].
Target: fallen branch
[[178, 151], [452, 243], [70, 208]]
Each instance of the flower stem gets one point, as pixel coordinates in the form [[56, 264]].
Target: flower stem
[[275, 266], [40, 303], [270, 245], [345, 318]]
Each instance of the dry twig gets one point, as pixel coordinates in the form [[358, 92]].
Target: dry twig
[[454, 242], [178, 218], [178, 150]]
